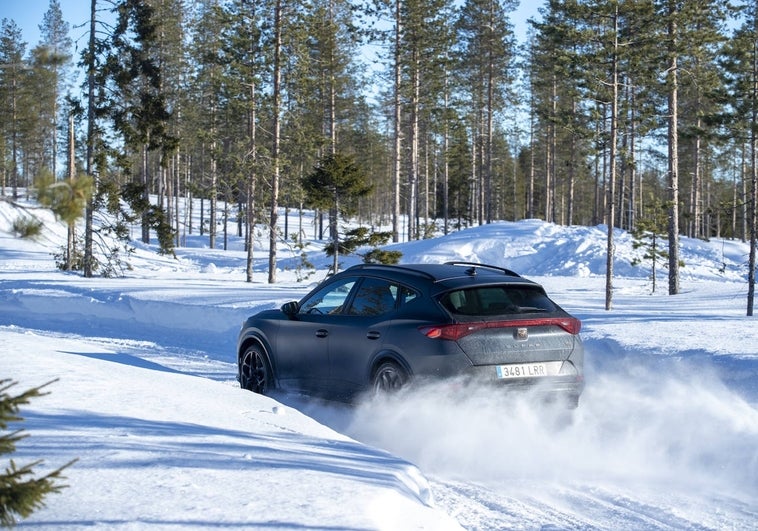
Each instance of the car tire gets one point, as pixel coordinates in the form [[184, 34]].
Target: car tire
[[255, 371], [388, 378]]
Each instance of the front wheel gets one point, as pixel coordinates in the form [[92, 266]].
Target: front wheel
[[255, 371], [388, 378]]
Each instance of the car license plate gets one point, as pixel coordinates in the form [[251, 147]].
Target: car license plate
[[528, 370]]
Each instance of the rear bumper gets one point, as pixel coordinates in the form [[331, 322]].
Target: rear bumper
[[563, 388]]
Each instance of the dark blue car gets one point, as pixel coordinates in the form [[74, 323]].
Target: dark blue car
[[378, 328]]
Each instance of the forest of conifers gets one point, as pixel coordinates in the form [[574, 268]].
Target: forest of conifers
[[616, 112]]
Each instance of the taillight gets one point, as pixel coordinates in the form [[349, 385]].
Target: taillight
[[454, 332], [572, 325]]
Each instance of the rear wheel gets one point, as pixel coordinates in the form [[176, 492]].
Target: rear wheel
[[389, 377], [255, 371]]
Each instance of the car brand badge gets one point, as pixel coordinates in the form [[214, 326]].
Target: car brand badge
[[522, 334]]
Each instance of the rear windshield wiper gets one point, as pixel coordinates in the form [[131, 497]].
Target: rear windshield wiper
[[530, 309]]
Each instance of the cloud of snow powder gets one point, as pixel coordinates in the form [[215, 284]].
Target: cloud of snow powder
[[668, 423]]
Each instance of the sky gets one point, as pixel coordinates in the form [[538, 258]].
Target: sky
[[28, 15]]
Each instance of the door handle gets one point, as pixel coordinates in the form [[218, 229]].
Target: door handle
[[322, 332], [373, 334]]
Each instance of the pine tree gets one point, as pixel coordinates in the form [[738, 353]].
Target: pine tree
[[66, 198], [245, 71], [422, 52], [487, 51], [20, 492], [334, 185], [322, 47], [562, 70], [740, 68], [362, 237], [139, 99], [53, 55], [703, 25], [13, 71], [649, 234]]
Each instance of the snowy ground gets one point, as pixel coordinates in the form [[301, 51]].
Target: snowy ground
[[666, 436]]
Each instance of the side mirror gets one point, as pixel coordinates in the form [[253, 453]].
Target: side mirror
[[290, 309]]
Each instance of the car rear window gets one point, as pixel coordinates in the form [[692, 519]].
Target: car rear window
[[497, 300]]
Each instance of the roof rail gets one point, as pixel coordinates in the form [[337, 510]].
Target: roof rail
[[473, 266], [395, 267]]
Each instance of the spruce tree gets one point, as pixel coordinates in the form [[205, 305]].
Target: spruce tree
[[650, 236], [138, 105], [20, 492]]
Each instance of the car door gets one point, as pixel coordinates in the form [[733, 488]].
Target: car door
[[357, 335], [303, 345]]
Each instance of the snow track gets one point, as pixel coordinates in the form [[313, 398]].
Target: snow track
[[477, 507], [530, 505]]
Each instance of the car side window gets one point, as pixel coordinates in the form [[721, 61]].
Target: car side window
[[406, 295], [330, 299], [374, 297]]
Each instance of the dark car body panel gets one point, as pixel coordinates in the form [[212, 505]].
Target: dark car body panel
[[501, 345], [353, 321]]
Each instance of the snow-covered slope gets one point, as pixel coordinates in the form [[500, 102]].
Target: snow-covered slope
[[666, 436]]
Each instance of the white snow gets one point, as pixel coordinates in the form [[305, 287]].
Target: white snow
[[145, 397]]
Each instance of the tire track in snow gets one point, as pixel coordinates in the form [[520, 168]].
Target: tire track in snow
[[478, 507], [586, 507]]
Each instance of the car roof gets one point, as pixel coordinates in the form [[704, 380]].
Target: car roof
[[448, 273]]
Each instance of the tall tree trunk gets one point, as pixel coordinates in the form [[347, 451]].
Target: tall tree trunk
[[250, 207], [213, 199], [480, 169], [413, 167], [189, 195], [489, 127], [610, 204], [572, 175], [446, 163], [751, 201], [277, 99], [14, 130], [532, 166], [698, 214], [54, 134], [550, 148], [144, 170], [398, 155], [333, 233], [734, 204], [743, 196], [71, 232], [176, 176], [332, 127], [631, 216], [89, 261], [673, 155]]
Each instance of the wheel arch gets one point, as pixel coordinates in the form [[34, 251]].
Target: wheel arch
[[255, 339], [391, 356]]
